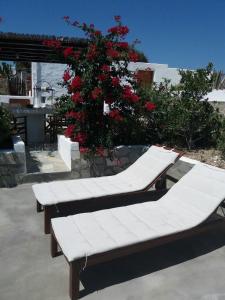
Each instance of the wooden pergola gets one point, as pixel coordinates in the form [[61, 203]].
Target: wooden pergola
[[30, 48]]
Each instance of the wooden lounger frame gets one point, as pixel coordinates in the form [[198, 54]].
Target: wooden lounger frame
[[77, 266], [92, 204]]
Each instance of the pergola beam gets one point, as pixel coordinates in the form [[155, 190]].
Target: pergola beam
[[23, 47]]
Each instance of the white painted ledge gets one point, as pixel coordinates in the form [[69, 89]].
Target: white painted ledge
[[68, 150], [189, 160]]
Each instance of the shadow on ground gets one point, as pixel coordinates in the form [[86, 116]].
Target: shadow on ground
[[141, 264]]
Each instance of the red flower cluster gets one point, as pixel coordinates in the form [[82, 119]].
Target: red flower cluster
[[150, 106], [97, 33], [109, 44], [109, 101], [115, 114], [133, 56], [100, 151], [68, 52], [102, 77], [117, 18], [76, 54], [115, 81], [76, 83], [105, 68], [81, 138], [52, 43], [66, 76], [69, 131], [123, 45], [119, 30], [77, 98], [84, 150], [79, 116], [129, 95], [112, 53], [92, 52], [96, 93]]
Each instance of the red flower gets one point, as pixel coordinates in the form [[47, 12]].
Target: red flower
[[105, 68], [96, 93], [76, 54], [102, 77], [100, 151], [92, 52], [66, 76], [84, 150], [76, 97], [112, 53], [79, 116], [123, 45], [119, 30], [117, 18], [115, 114], [68, 52], [109, 44], [150, 106], [98, 33], [115, 81], [76, 83], [133, 56], [81, 138], [109, 101], [129, 95], [69, 131]]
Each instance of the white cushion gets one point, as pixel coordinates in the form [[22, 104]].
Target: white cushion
[[187, 204], [136, 177]]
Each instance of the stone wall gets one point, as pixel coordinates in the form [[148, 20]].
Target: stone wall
[[109, 164], [12, 163]]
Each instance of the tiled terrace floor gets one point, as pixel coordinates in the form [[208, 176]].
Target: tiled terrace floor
[[190, 269]]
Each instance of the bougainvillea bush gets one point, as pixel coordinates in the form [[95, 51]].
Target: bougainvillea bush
[[97, 76]]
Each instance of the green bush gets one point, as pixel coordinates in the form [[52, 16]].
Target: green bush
[[5, 126], [221, 140], [182, 118]]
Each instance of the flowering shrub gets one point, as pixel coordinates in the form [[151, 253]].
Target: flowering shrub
[[98, 75]]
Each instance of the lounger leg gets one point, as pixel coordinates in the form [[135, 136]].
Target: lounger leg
[[39, 207], [74, 284], [47, 218], [54, 246]]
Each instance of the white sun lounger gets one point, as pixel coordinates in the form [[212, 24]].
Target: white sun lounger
[[61, 198], [91, 238]]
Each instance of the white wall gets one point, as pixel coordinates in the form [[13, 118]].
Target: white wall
[[161, 71], [53, 73], [68, 150]]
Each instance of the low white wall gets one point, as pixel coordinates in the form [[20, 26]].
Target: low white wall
[[19, 148], [68, 150]]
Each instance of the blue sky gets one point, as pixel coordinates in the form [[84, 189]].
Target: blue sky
[[181, 33]]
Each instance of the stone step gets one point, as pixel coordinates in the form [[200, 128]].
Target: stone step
[[45, 162]]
